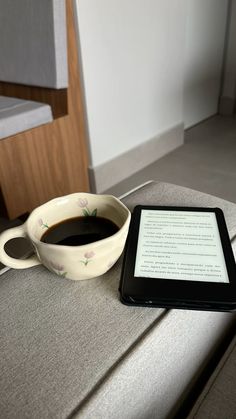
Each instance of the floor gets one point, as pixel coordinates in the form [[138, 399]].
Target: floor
[[206, 162]]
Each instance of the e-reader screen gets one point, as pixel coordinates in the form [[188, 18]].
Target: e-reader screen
[[178, 257], [180, 245]]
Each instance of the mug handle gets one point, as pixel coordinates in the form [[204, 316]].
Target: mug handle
[[7, 260]]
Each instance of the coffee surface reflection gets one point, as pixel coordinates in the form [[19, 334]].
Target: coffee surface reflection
[[79, 231]]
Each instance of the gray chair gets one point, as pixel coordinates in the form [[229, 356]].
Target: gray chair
[[33, 51]]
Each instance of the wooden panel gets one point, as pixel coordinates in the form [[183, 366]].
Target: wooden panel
[[50, 160]]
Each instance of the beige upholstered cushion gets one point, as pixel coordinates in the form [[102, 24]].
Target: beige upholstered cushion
[[33, 48], [71, 349], [17, 115], [218, 400]]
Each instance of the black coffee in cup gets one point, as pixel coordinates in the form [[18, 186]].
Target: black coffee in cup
[[79, 231]]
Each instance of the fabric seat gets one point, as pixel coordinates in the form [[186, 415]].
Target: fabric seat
[[218, 399], [71, 349], [33, 43], [33, 51], [17, 115]]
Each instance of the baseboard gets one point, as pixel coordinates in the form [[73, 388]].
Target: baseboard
[[226, 105], [114, 171]]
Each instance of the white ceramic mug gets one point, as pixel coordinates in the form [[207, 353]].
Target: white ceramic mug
[[77, 262]]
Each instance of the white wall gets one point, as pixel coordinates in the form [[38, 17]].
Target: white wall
[[132, 57], [229, 86], [205, 37], [141, 59]]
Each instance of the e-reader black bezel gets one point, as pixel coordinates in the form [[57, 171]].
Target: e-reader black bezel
[[174, 293]]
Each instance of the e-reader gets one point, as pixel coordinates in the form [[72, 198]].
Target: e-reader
[[178, 257]]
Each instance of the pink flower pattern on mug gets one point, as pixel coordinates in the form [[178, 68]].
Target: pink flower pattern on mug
[[42, 224], [83, 203], [58, 269], [88, 256]]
